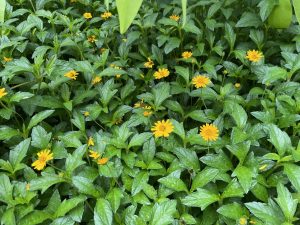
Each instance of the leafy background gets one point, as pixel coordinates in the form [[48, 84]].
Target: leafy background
[[251, 174]]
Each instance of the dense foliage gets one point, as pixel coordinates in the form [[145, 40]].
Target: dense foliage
[[164, 124]]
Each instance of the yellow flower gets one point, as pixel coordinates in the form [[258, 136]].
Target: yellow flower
[[72, 74], [149, 63], [27, 187], [174, 17], [148, 107], [2, 92], [92, 38], [96, 80], [147, 113], [102, 161], [200, 81], [90, 142], [209, 132], [106, 15], [118, 76], [263, 167], [86, 113], [7, 59], [162, 128], [186, 55], [87, 15], [43, 157], [254, 55], [161, 73], [94, 155], [242, 221], [237, 85]]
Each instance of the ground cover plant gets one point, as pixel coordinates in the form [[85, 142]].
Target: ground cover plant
[[189, 116]]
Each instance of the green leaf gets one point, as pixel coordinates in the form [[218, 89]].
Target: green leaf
[[75, 160], [2, 10], [44, 182], [110, 72], [161, 92], [293, 173], [296, 5], [286, 202], [68, 205], [178, 129], [139, 139], [8, 217], [240, 150], [204, 177], [39, 117], [201, 198], [103, 214], [127, 10], [233, 189], [233, 211], [266, 7], [17, 97], [183, 72], [35, 217], [19, 153], [114, 197], [163, 213], [139, 181], [279, 139], [40, 138], [7, 132], [270, 74], [183, 7], [248, 20], [85, 186], [219, 161], [188, 158], [237, 112], [198, 115], [172, 43], [173, 183], [5, 189], [265, 212], [244, 176]]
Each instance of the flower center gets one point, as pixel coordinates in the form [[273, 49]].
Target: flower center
[[162, 128]]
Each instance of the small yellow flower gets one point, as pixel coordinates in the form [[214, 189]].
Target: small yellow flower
[[43, 157], [86, 113], [161, 73], [149, 63], [96, 80], [72, 74], [118, 76], [2, 92], [87, 15], [148, 107], [27, 187], [254, 55], [162, 128], [200, 81], [209, 132], [102, 161], [106, 15], [263, 167], [94, 155], [138, 104], [237, 85], [147, 113], [7, 59], [174, 17], [92, 38], [242, 221], [112, 65], [90, 142], [186, 55]]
